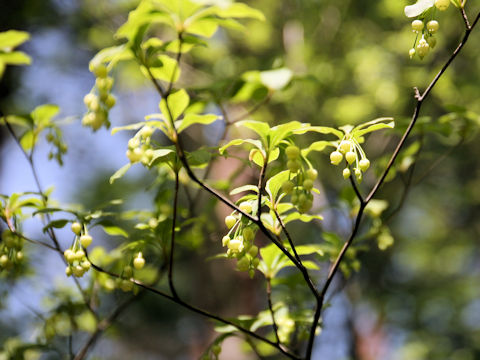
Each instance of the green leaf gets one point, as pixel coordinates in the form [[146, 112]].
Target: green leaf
[[42, 114], [280, 132], [58, 224], [12, 38], [234, 142], [111, 55], [191, 119], [310, 249], [114, 230], [15, 58], [168, 71], [160, 153], [301, 217], [276, 79], [240, 10], [316, 146], [17, 120], [244, 188], [274, 184], [28, 140], [135, 126], [321, 130], [257, 157], [274, 154], [177, 103], [119, 173], [260, 127], [205, 27], [418, 8], [373, 125], [140, 18]]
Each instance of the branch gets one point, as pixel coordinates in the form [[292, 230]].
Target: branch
[[172, 245], [355, 188], [465, 18], [261, 182], [199, 311], [255, 220], [270, 307], [287, 234]]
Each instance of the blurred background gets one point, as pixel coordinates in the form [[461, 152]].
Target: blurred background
[[418, 299]]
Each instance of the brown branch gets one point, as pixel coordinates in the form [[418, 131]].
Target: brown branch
[[261, 183], [465, 18], [287, 234], [200, 311], [355, 188], [172, 244], [270, 307]]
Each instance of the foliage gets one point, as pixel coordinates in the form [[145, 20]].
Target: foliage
[[164, 41]]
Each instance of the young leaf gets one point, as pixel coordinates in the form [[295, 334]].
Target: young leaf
[[167, 69], [177, 103], [373, 125], [240, 10], [316, 146], [12, 38], [111, 56], [15, 58], [191, 119], [58, 224], [120, 172], [274, 184], [280, 132], [234, 142], [243, 188], [114, 230], [260, 127], [302, 217], [42, 114], [205, 27], [321, 130]]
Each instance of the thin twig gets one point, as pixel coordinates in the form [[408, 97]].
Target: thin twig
[[355, 188], [270, 307], [199, 311], [172, 244], [287, 234], [261, 181], [465, 18]]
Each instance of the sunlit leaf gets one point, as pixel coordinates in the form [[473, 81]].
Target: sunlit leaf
[[244, 188], [177, 103], [191, 119], [274, 184], [15, 58], [120, 172], [235, 142], [12, 38], [114, 231]]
